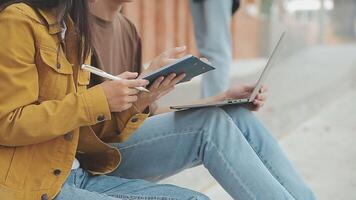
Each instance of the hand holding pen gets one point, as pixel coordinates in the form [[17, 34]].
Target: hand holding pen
[[104, 74], [121, 93]]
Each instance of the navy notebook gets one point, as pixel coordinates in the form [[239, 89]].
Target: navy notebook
[[190, 65]]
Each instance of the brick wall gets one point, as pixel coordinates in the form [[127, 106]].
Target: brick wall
[[168, 23]]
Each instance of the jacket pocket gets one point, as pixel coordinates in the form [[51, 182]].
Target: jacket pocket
[[18, 167], [55, 73]]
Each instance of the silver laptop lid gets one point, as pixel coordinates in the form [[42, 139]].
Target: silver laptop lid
[[267, 69]]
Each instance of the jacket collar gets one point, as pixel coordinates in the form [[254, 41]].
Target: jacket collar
[[50, 19]]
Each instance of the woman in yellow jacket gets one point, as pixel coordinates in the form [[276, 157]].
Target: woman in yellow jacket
[[48, 118], [52, 128]]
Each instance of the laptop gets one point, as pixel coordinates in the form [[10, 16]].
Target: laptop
[[259, 84]]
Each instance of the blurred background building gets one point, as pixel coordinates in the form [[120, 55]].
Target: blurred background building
[[167, 23], [311, 107]]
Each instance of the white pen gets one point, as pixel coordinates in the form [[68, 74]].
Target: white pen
[[104, 74]]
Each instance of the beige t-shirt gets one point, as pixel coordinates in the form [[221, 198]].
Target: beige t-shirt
[[117, 46]]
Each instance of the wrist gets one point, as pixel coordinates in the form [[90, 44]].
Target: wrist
[[141, 106], [143, 102]]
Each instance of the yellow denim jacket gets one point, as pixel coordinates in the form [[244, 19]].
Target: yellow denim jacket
[[47, 114]]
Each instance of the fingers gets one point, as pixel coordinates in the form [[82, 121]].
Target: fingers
[[132, 91], [168, 80], [121, 94], [172, 80], [136, 83], [263, 89], [255, 106], [157, 83], [205, 60], [128, 75], [167, 61], [163, 86], [261, 97], [131, 99], [258, 103], [250, 88], [174, 52], [178, 79]]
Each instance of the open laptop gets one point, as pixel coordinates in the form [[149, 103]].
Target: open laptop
[[260, 83]]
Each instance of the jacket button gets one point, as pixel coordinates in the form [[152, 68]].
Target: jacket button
[[57, 172], [44, 197], [100, 118], [68, 136], [134, 120]]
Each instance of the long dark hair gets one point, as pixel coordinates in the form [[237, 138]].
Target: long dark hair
[[77, 9]]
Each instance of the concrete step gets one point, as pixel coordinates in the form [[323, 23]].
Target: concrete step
[[324, 151]]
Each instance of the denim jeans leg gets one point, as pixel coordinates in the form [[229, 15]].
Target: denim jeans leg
[[169, 143], [83, 186], [269, 151]]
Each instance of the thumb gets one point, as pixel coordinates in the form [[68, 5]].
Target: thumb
[[249, 88], [128, 75], [174, 52], [205, 60]]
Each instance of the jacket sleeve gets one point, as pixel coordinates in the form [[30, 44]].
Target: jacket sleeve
[[23, 120]]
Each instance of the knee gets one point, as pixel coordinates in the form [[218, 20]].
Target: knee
[[240, 114], [214, 116], [239, 111], [214, 112]]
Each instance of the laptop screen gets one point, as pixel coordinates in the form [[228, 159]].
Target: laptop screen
[[271, 60]]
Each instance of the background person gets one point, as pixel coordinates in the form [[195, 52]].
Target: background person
[[212, 24]]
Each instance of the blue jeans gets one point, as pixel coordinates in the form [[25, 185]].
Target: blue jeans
[[212, 23], [230, 142]]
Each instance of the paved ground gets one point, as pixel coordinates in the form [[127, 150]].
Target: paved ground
[[312, 111], [324, 150]]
